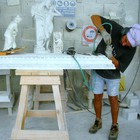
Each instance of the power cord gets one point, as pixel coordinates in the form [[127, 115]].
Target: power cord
[[83, 106], [131, 83], [106, 23], [78, 98], [71, 51]]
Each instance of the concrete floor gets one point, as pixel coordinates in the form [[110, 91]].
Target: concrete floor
[[78, 123]]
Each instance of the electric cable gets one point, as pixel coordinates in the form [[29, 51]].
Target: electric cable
[[79, 100], [83, 75], [131, 83], [72, 52], [84, 107], [105, 23], [69, 51]]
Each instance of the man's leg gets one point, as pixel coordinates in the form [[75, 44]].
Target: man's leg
[[97, 102], [114, 131], [97, 83], [98, 111], [112, 90], [114, 108]]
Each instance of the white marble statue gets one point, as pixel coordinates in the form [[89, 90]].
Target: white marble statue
[[11, 33], [57, 42], [43, 13]]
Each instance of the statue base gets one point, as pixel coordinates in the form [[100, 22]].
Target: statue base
[[42, 50]]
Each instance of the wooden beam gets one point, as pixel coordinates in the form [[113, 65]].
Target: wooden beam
[[46, 97], [41, 113], [39, 80], [39, 72], [39, 135]]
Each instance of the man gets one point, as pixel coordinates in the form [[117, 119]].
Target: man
[[119, 45]]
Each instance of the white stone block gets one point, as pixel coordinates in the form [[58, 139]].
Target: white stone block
[[28, 34], [4, 72], [89, 10], [132, 101], [123, 94], [13, 2], [79, 1], [5, 96], [137, 93], [107, 1], [129, 114]]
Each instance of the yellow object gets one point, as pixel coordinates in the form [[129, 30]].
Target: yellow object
[[11, 51], [122, 84]]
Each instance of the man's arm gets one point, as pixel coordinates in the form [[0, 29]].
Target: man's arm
[[96, 20], [108, 53], [115, 61]]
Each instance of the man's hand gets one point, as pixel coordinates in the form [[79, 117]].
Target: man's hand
[[106, 36], [108, 51]]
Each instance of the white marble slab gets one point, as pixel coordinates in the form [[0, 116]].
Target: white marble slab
[[30, 61]]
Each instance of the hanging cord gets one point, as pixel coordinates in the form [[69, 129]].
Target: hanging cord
[[72, 52], [83, 75], [131, 83], [83, 106], [79, 100], [106, 23]]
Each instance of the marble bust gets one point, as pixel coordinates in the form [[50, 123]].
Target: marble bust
[[43, 14], [11, 33]]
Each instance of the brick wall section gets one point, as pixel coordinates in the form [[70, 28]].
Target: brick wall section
[[84, 9]]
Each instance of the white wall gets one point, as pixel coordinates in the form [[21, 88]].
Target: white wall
[[84, 9]]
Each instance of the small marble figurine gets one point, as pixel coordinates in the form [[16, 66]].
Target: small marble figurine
[[57, 42], [11, 33]]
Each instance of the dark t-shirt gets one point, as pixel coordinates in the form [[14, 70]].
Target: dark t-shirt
[[124, 55]]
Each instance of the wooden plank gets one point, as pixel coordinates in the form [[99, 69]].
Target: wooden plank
[[46, 97], [8, 84], [39, 135], [58, 106], [39, 80], [36, 92], [22, 109], [10, 51], [64, 94], [39, 72], [41, 113], [45, 88]]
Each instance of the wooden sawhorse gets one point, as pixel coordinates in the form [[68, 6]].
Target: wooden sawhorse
[[39, 77], [44, 93]]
